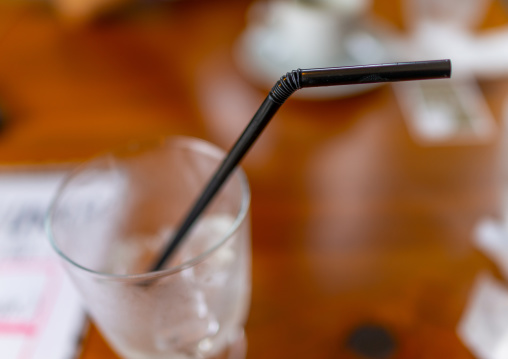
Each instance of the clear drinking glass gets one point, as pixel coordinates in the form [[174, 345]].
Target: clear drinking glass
[[114, 215]]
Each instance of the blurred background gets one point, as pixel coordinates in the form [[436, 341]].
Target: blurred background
[[83, 65], [378, 212]]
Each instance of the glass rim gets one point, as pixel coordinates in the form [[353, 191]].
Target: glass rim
[[195, 144]]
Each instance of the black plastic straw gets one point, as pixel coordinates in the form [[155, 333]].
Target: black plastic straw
[[287, 85]]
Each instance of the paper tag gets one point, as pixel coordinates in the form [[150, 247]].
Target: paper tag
[[441, 112], [484, 325], [40, 312]]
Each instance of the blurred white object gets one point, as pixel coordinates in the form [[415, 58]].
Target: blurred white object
[[40, 312], [445, 111], [483, 55], [446, 29], [464, 14], [457, 112], [484, 324], [285, 35]]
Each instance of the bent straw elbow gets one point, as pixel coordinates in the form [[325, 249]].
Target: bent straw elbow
[[286, 86]]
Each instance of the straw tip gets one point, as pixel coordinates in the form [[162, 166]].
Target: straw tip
[[441, 68], [444, 66], [437, 69], [448, 64]]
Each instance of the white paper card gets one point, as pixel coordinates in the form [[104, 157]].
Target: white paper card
[[40, 312], [445, 112], [484, 325]]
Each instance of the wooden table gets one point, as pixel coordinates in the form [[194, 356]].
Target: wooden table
[[357, 230]]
